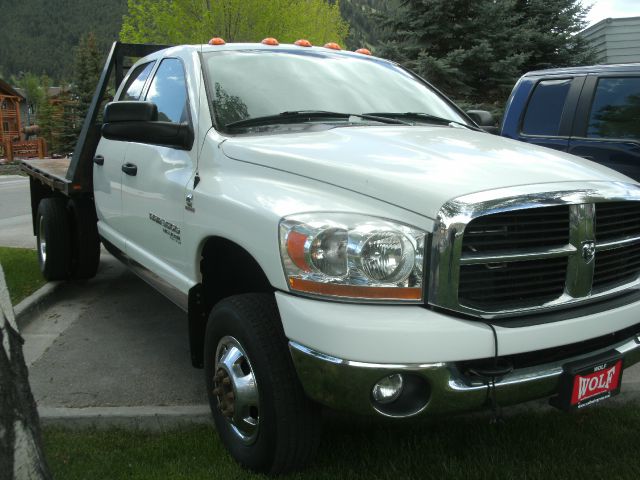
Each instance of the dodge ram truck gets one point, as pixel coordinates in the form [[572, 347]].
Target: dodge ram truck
[[340, 234]]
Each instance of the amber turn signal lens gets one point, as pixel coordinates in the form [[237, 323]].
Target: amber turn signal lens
[[364, 51], [355, 291], [303, 43], [333, 46], [270, 41], [295, 248], [217, 41]]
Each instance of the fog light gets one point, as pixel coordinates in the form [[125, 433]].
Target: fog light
[[388, 389]]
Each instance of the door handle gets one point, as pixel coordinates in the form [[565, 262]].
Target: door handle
[[98, 160], [130, 169]]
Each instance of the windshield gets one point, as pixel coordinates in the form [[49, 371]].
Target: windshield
[[248, 84]]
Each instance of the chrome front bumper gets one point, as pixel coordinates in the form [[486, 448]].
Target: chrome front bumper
[[346, 385]]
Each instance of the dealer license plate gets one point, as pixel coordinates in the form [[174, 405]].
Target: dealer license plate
[[589, 382]]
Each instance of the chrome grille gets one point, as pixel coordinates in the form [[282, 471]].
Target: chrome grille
[[490, 283], [518, 229], [519, 254], [492, 286], [617, 224], [617, 220]]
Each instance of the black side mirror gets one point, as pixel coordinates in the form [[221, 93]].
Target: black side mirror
[[484, 119], [130, 112], [138, 122]]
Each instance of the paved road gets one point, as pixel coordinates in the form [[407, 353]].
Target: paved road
[[15, 212]]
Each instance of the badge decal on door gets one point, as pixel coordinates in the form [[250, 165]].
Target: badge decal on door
[[168, 228]]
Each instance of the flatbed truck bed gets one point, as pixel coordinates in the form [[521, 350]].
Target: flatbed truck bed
[[49, 171]]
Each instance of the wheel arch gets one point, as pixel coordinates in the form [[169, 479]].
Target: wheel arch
[[226, 269]]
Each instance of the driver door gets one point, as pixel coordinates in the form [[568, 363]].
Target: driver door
[[154, 181]]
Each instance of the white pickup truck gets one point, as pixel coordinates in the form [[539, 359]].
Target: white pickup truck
[[341, 234]]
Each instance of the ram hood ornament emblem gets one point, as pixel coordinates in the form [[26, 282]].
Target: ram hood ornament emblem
[[588, 250]]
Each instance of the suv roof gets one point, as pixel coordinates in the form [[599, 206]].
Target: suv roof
[[623, 67]]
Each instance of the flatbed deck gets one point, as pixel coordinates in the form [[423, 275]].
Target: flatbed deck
[[50, 171]]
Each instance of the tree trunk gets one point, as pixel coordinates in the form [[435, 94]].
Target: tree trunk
[[21, 453]]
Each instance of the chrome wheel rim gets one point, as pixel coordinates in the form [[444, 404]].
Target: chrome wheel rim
[[42, 240], [236, 389]]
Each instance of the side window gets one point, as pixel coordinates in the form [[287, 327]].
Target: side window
[[168, 91], [615, 112], [135, 82], [545, 107]]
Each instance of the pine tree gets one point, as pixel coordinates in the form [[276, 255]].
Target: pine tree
[[364, 30], [476, 49], [67, 123], [88, 66], [45, 115], [553, 26], [39, 36]]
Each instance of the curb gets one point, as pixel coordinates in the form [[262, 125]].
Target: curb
[[35, 303], [136, 418]]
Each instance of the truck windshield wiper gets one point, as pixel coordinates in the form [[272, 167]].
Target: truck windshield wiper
[[309, 115], [421, 116]]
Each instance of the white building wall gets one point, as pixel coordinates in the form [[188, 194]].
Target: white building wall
[[616, 40]]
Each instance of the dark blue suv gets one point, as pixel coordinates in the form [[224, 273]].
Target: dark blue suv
[[592, 112]]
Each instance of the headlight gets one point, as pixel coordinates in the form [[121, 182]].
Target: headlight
[[352, 256]]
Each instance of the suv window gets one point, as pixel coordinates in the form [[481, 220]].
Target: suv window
[[545, 107], [615, 111], [168, 91], [135, 83]]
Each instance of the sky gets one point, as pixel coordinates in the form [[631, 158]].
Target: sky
[[611, 8]]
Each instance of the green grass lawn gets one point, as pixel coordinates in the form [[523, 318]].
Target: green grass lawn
[[21, 271], [597, 443]]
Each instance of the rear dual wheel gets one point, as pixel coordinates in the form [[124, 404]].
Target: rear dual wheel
[[67, 239], [261, 412], [53, 238]]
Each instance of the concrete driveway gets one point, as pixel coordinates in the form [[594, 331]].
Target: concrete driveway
[[111, 341]]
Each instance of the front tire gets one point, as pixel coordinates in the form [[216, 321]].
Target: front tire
[[261, 413], [52, 238]]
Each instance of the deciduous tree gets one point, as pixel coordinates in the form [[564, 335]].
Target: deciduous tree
[[33, 92], [196, 21]]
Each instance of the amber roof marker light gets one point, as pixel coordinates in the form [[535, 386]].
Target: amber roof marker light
[[217, 41], [363, 51], [303, 43], [332, 46], [270, 41]]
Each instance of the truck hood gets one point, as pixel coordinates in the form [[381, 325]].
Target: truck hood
[[416, 168]]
